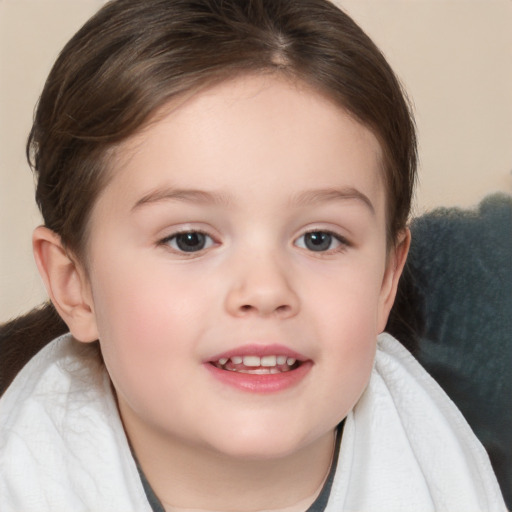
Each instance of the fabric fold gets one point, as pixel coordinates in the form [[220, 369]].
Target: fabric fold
[[407, 447], [62, 444]]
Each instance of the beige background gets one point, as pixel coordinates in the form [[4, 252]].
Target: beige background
[[454, 57]]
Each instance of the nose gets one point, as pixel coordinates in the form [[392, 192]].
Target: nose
[[261, 286]]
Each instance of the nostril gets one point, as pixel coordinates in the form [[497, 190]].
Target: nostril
[[246, 308]]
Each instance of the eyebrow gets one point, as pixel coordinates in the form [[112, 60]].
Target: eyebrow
[[332, 194], [306, 198], [173, 194]]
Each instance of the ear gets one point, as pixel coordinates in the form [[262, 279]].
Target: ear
[[66, 283], [395, 265]]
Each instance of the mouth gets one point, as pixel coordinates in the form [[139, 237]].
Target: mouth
[[260, 369], [258, 365]]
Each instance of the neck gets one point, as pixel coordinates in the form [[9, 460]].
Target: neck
[[188, 478]]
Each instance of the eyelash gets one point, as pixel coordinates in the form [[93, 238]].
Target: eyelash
[[343, 243], [172, 242]]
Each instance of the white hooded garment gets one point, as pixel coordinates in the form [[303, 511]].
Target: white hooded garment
[[405, 446]]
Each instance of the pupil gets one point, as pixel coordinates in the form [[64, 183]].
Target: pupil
[[190, 242], [318, 241]]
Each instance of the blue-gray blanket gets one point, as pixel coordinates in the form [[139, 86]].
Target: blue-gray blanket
[[457, 298]]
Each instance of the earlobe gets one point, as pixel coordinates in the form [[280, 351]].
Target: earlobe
[[66, 284], [395, 266]]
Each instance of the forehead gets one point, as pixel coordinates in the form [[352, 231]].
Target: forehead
[[247, 134]]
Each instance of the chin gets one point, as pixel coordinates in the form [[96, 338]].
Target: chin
[[264, 451], [263, 442]]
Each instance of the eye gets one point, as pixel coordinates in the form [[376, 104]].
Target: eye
[[189, 241], [320, 241]]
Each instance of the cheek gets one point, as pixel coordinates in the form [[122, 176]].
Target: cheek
[[347, 372], [144, 321], [136, 298], [344, 315], [348, 298]]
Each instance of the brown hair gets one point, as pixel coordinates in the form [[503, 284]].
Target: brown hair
[[133, 56]]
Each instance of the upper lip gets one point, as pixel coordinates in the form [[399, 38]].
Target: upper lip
[[260, 351]]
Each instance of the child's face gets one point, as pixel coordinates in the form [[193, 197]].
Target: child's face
[[278, 201]]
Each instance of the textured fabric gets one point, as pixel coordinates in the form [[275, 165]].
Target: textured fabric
[[461, 266], [62, 444], [404, 447]]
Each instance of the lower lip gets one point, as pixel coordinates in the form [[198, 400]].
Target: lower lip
[[267, 383]]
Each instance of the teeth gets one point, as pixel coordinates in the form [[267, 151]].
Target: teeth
[[255, 364], [268, 361], [252, 361], [259, 371]]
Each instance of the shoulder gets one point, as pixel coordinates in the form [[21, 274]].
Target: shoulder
[[405, 446], [62, 444], [415, 440], [46, 392], [56, 368]]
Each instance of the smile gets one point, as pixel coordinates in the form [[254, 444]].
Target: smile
[[256, 365], [260, 369]]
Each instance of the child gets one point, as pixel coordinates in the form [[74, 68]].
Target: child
[[225, 187]]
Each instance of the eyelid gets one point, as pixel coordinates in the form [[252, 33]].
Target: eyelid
[[344, 243], [165, 241]]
